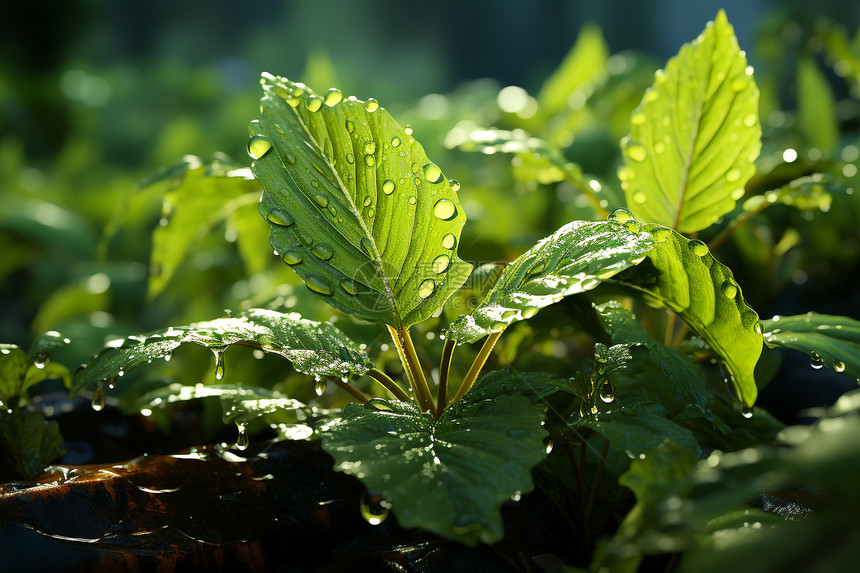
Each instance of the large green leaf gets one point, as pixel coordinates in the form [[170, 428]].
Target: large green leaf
[[572, 260], [696, 135], [28, 442], [19, 371], [832, 341], [314, 348], [681, 274], [355, 206], [810, 192], [635, 430], [448, 476]]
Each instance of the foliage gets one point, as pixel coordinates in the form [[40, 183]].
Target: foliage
[[635, 205]]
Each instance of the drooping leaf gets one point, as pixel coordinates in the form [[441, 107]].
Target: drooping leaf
[[585, 62], [28, 442], [832, 341], [816, 107], [681, 274], [314, 348], [448, 476], [695, 136], [355, 206], [574, 259], [205, 195]]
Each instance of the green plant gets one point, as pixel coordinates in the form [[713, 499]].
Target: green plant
[[634, 399]]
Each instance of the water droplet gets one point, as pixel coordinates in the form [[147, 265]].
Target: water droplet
[[733, 175], [395, 142], [367, 201], [750, 120], [319, 387], [388, 186], [259, 146], [757, 327], [620, 216], [660, 234], [333, 97], [426, 288], [747, 412], [412, 199], [454, 184], [815, 360], [370, 147], [98, 402], [321, 200], [651, 95], [838, 365], [738, 193], [290, 158], [313, 103], [374, 508], [607, 392], [445, 209], [636, 152], [449, 241], [407, 130], [319, 284], [699, 248], [219, 362], [280, 217], [739, 84], [349, 286], [350, 158], [350, 127], [242, 437], [729, 288], [369, 160], [40, 360], [367, 246], [371, 105], [432, 173], [638, 118], [292, 257], [440, 264], [322, 251]]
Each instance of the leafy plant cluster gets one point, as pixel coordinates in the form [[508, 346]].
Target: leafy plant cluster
[[630, 405]]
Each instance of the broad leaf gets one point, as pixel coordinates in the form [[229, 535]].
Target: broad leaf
[[636, 430], [448, 476], [695, 136], [314, 348], [19, 371], [681, 274], [205, 195], [832, 341], [28, 442], [805, 193], [572, 260], [355, 206]]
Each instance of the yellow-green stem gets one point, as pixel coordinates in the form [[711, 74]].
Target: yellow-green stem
[[358, 395], [388, 384], [414, 373], [477, 365], [444, 372], [670, 328]]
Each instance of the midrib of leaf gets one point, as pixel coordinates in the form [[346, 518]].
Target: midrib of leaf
[[688, 159]]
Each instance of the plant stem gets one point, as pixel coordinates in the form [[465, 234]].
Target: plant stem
[[412, 365], [681, 335], [592, 495], [444, 371], [477, 365], [670, 328], [357, 394], [389, 384], [741, 219]]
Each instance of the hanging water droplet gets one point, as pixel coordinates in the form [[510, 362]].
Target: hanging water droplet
[[349, 286], [607, 392], [699, 248], [729, 288], [636, 152], [219, 362], [367, 246], [292, 257], [242, 437], [454, 184], [280, 217], [757, 327], [815, 360], [319, 387], [747, 412], [388, 186], [313, 103], [333, 97], [321, 200], [620, 216], [432, 173], [98, 402], [374, 508], [40, 360], [319, 284], [440, 264], [445, 209], [259, 146], [449, 241], [426, 288], [322, 251], [838, 365]]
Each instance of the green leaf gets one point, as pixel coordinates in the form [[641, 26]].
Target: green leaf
[[805, 193], [816, 107], [18, 371], [447, 476], [574, 259], [314, 348], [832, 341], [28, 442], [355, 206], [686, 379], [584, 63], [205, 196], [695, 136], [681, 274]]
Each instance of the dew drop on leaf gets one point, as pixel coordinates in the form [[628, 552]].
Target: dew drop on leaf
[[40, 360], [374, 508], [607, 392], [729, 288], [660, 234], [313, 103], [333, 97], [259, 146], [733, 175], [321, 200], [838, 365], [367, 246], [350, 127], [219, 362], [395, 142], [319, 284], [449, 241], [432, 173], [388, 186], [369, 160], [322, 251], [319, 387], [242, 437], [620, 216], [445, 209], [815, 360], [371, 105], [440, 264], [292, 257], [699, 248], [636, 152], [750, 120], [426, 288], [349, 286], [350, 158], [280, 217], [454, 184], [412, 199]]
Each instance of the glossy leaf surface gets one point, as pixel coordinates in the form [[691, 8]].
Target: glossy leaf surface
[[448, 476], [696, 135], [832, 341], [355, 206]]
